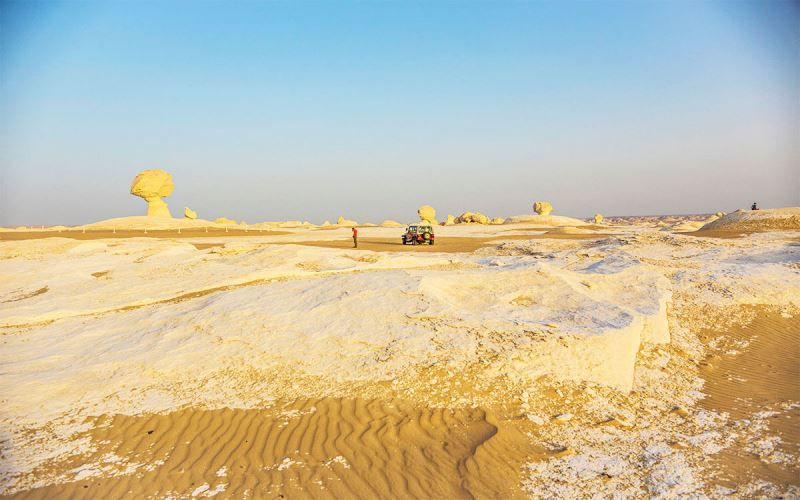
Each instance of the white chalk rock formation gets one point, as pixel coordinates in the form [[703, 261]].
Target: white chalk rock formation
[[598, 218], [542, 207], [472, 217], [188, 213], [771, 219], [345, 222], [498, 220], [225, 220], [427, 214], [391, 223], [152, 185], [326, 223], [450, 220]]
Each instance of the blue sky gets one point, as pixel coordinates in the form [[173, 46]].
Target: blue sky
[[311, 110]]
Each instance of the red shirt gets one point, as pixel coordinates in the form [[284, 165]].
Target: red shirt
[[355, 232]]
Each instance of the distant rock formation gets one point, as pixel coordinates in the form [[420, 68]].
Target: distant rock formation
[[225, 220], [189, 213], [345, 222], [771, 219], [470, 217], [450, 220], [152, 185], [498, 220], [326, 223], [391, 223], [542, 207], [598, 218], [427, 214]]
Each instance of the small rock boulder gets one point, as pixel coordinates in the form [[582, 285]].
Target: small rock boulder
[[189, 213], [598, 218], [470, 217], [542, 207]]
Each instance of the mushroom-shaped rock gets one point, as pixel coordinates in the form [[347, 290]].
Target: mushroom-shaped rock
[[542, 207], [225, 220], [598, 218], [450, 220], [189, 213], [427, 214], [152, 185]]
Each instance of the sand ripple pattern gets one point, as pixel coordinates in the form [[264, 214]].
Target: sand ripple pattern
[[324, 448]]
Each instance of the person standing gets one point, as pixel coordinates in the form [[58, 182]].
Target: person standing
[[754, 207], [355, 237]]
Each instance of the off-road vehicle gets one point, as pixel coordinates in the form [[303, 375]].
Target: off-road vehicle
[[418, 234]]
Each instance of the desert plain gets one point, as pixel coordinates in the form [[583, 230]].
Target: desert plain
[[540, 357]]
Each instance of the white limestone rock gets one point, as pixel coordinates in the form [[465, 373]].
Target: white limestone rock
[[152, 185]]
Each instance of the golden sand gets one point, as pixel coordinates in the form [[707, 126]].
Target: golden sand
[[326, 448], [442, 243], [765, 373]]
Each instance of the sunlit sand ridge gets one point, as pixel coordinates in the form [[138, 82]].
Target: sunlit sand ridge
[[518, 359]]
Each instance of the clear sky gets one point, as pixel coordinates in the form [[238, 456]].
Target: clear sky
[[311, 110]]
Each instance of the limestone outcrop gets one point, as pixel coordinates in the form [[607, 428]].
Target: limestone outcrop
[[427, 214], [189, 213], [152, 185], [450, 220], [225, 220], [498, 220], [472, 217], [391, 223], [542, 207], [769, 219], [345, 222], [598, 218]]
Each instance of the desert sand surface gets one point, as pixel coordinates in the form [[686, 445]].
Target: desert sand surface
[[505, 361]]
